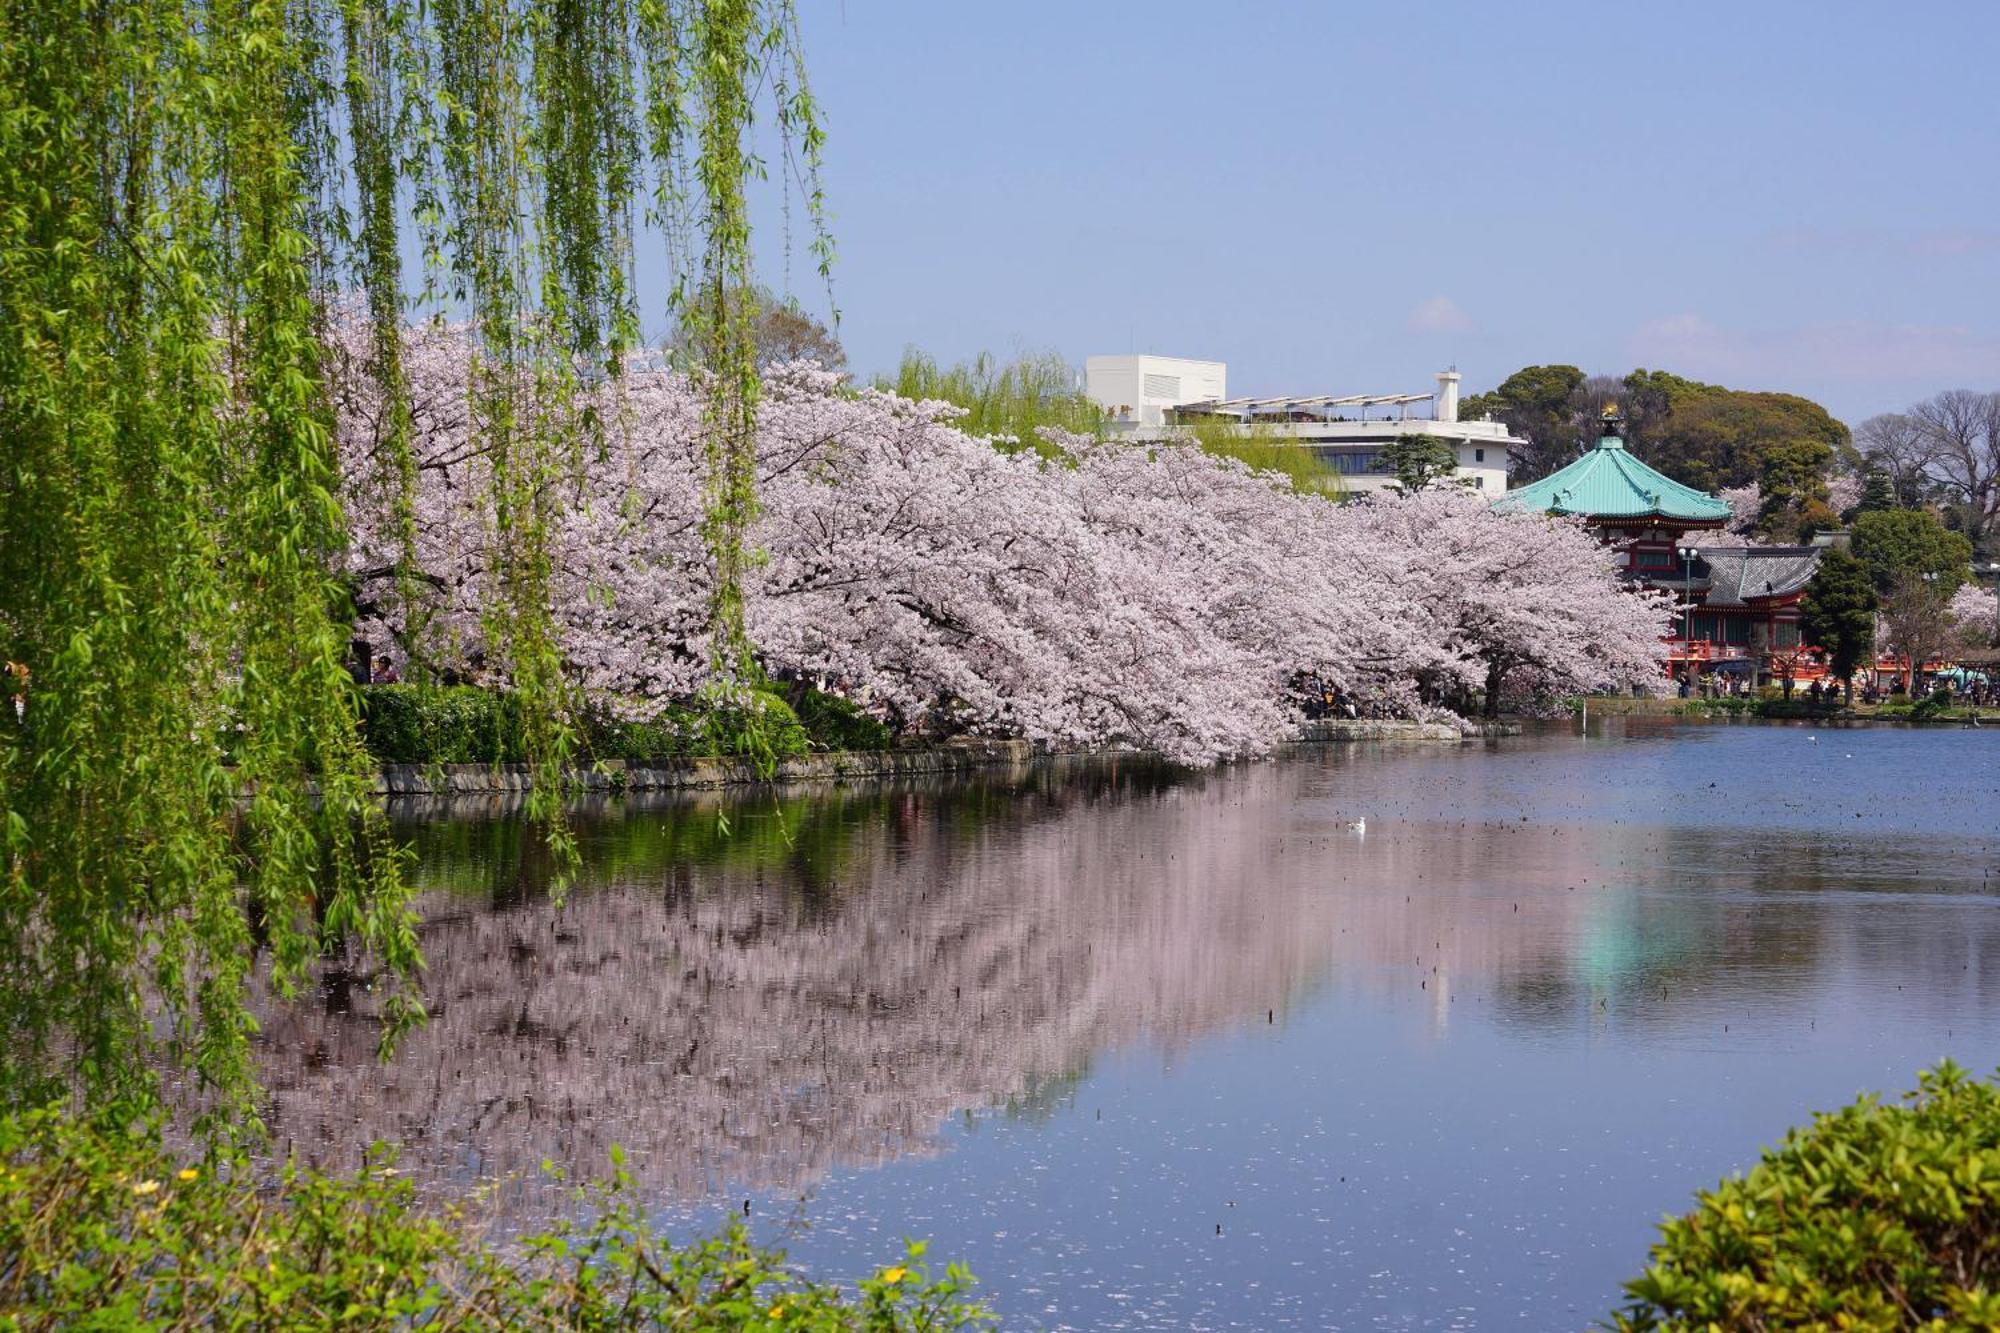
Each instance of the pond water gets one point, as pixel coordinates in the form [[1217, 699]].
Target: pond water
[[1364, 1037]]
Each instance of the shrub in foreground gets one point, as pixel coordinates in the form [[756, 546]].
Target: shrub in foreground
[[101, 1229], [1874, 1217]]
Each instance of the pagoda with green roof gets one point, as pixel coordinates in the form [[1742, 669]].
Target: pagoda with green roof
[[1739, 603], [1611, 487]]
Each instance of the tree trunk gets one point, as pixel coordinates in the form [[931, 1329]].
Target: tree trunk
[[1493, 677]]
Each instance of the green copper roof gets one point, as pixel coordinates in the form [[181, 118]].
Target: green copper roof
[[1608, 482]]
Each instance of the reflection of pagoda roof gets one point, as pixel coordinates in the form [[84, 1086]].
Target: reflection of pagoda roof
[[1739, 575], [1609, 482]]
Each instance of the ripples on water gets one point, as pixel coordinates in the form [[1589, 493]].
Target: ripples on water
[[1445, 1070]]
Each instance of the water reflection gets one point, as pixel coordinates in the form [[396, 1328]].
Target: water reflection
[[826, 983]]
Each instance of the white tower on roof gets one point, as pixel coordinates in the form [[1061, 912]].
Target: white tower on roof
[[1447, 395]]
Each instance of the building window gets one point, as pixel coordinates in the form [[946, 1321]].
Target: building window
[[1479, 455], [1787, 633], [1352, 462], [1162, 386], [1652, 557]]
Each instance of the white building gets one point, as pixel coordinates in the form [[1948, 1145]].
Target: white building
[[1137, 390], [1149, 396]]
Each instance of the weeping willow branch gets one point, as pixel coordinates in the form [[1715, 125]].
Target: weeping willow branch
[[187, 190]]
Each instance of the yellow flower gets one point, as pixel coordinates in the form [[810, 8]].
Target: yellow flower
[[145, 1187], [189, 1173], [894, 1275], [778, 1310]]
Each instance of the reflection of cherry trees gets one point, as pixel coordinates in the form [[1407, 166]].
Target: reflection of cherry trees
[[829, 985], [722, 1027]]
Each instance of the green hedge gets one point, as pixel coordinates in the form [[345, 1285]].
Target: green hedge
[[101, 1229], [1798, 706], [835, 723], [1722, 705], [681, 733], [417, 724], [1875, 1217]]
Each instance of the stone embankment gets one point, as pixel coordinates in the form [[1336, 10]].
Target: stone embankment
[[1377, 729], [843, 766], [690, 774]]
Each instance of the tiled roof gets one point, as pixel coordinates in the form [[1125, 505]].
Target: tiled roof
[[1738, 575], [1608, 482]]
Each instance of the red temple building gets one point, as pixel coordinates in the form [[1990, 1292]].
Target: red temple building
[[1739, 604]]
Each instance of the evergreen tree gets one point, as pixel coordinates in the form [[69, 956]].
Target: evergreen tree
[[1878, 490], [1419, 462], [1838, 614], [1792, 480], [1899, 544]]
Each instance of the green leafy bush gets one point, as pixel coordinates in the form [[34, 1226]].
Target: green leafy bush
[[675, 734], [1875, 1217], [680, 732], [1798, 706], [99, 1228], [770, 722], [834, 723], [441, 724], [1930, 706]]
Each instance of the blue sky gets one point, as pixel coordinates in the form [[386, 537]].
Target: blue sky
[[1349, 196]]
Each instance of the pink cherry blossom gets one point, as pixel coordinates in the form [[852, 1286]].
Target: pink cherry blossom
[[1147, 594]]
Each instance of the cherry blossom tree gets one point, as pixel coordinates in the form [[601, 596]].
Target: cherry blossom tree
[[1975, 612], [1513, 592], [1150, 594]]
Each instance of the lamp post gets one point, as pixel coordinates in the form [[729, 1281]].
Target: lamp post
[[1923, 622], [1687, 554]]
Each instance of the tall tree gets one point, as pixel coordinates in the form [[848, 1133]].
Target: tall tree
[[1959, 449], [1793, 492], [1896, 544], [1838, 614], [1893, 444], [1917, 623], [1878, 490]]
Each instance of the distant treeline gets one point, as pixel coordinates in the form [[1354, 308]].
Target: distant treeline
[[1942, 454]]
